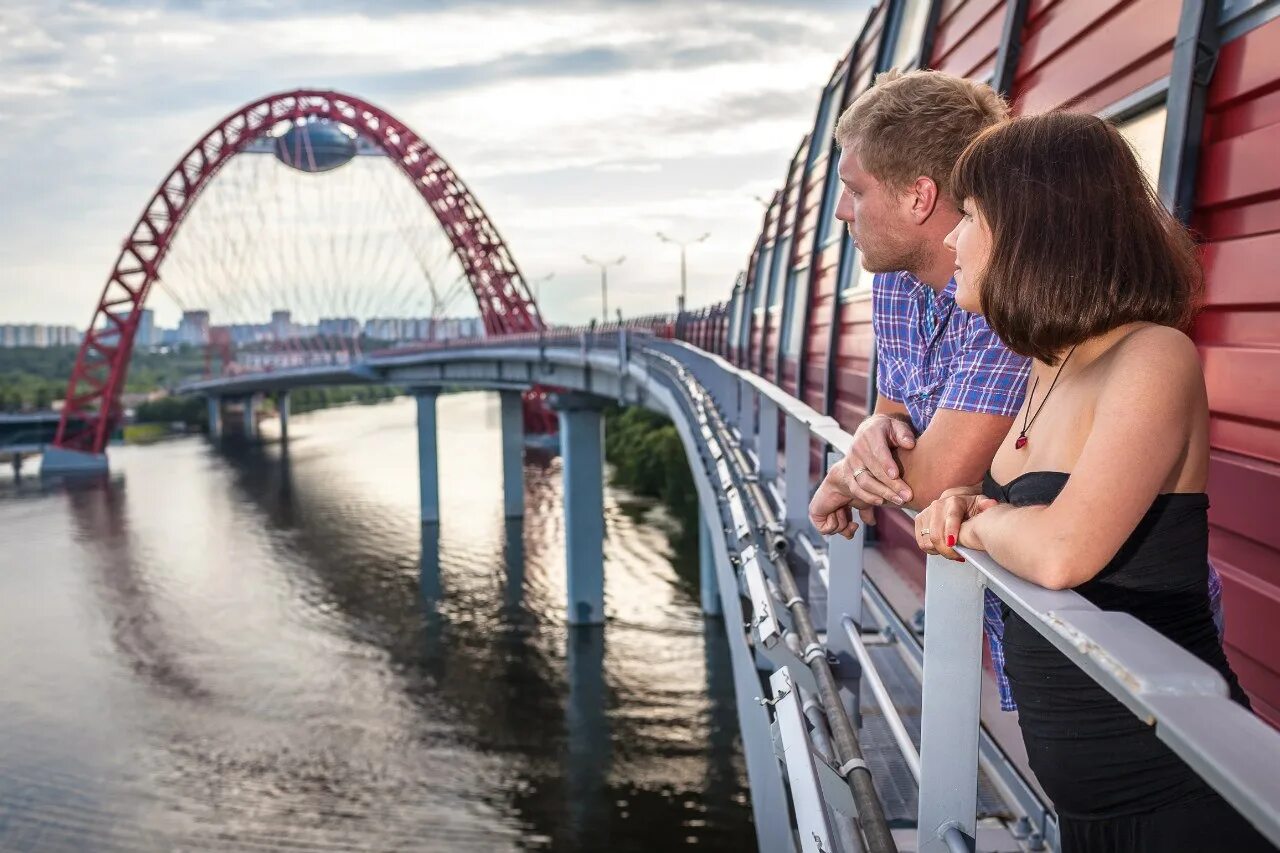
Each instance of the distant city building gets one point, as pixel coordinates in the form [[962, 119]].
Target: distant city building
[[193, 329], [281, 325], [36, 335], [146, 334], [339, 327]]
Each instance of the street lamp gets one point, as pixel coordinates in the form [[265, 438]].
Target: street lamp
[[683, 273], [537, 289], [604, 283]]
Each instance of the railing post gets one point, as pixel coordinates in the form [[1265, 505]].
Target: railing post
[[746, 413], [949, 718], [796, 483], [844, 601], [767, 446]]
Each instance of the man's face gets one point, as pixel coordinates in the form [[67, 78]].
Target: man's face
[[878, 218]]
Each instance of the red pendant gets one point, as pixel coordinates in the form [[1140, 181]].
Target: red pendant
[[1020, 443]]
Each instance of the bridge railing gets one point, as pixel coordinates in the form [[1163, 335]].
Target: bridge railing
[[1164, 685]]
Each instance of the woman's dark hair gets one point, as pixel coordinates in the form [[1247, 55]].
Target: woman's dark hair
[[1080, 242]]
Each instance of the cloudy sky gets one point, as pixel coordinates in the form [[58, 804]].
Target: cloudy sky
[[581, 127]]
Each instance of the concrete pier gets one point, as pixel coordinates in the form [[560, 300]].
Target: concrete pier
[[251, 416], [282, 408], [215, 417], [582, 447], [428, 459], [512, 453]]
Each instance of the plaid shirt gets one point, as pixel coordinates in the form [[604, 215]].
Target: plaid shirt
[[932, 354]]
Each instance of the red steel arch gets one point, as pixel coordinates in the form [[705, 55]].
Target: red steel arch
[[92, 406]]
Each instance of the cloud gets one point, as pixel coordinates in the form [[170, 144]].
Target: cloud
[[580, 126]]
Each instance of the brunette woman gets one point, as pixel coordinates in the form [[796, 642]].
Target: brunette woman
[[1099, 486]]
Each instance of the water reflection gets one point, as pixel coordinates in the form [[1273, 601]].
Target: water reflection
[[256, 645]]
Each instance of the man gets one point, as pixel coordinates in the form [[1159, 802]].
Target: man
[[948, 387]]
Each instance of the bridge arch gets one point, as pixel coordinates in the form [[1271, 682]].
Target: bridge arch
[[92, 405]]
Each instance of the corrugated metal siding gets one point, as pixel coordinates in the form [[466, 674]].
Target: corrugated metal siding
[[1088, 54], [1238, 215], [968, 37], [773, 316]]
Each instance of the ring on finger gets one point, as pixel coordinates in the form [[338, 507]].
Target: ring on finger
[[861, 470], [924, 531]]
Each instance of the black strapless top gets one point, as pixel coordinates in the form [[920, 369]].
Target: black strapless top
[[1092, 755]]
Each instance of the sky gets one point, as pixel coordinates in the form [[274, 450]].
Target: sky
[[582, 128]]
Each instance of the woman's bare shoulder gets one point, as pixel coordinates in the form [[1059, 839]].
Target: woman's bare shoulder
[[1155, 361]]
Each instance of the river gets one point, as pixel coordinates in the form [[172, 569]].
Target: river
[[244, 648]]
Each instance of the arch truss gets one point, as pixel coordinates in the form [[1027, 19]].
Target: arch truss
[[92, 407]]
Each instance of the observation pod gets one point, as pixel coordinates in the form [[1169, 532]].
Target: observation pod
[[316, 146]]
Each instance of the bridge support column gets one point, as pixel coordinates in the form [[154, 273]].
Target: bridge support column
[[215, 417], [282, 408], [428, 460], [707, 585], [582, 447], [58, 460], [251, 416], [512, 453]]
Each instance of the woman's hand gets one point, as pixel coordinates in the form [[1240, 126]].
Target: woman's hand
[[941, 526]]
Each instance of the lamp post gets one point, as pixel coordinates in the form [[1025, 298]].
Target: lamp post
[[604, 283], [684, 284], [537, 288]]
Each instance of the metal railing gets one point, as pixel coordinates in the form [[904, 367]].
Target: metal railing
[[1182, 697]]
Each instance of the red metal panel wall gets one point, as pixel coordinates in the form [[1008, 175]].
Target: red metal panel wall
[[783, 265], [968, 37], [1238, 216], [760, 281], [1088, 54], [812, 184], [822, 292]]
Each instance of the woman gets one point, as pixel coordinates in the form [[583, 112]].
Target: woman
[[1099, 486]]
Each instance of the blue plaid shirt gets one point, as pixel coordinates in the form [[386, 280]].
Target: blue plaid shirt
[[932, 354]]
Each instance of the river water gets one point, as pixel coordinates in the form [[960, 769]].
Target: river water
[[248, 649]]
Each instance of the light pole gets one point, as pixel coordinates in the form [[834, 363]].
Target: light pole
[[537, 288], [604, 283], [684, 284]]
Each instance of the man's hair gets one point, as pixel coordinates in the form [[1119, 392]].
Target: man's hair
[[1080, 243], [917, 124]]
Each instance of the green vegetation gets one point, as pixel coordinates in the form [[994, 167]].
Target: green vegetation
[[190, 410], [648, 458], [310, 399], [33, 377], [144, 433]]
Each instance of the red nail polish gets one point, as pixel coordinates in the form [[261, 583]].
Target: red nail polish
[[951, 540]]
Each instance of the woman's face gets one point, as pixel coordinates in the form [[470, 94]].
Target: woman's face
[[971, 241]]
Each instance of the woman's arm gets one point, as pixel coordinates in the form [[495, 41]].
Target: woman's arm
[[1149, 402]]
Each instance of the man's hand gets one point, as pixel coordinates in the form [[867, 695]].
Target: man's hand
[[867, 477]]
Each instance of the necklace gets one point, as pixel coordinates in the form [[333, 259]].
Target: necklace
[[1026, 424]]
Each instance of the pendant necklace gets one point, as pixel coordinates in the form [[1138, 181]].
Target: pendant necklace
[[1026, 424]]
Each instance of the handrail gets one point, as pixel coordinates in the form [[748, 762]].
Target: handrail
[[815, 666]]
